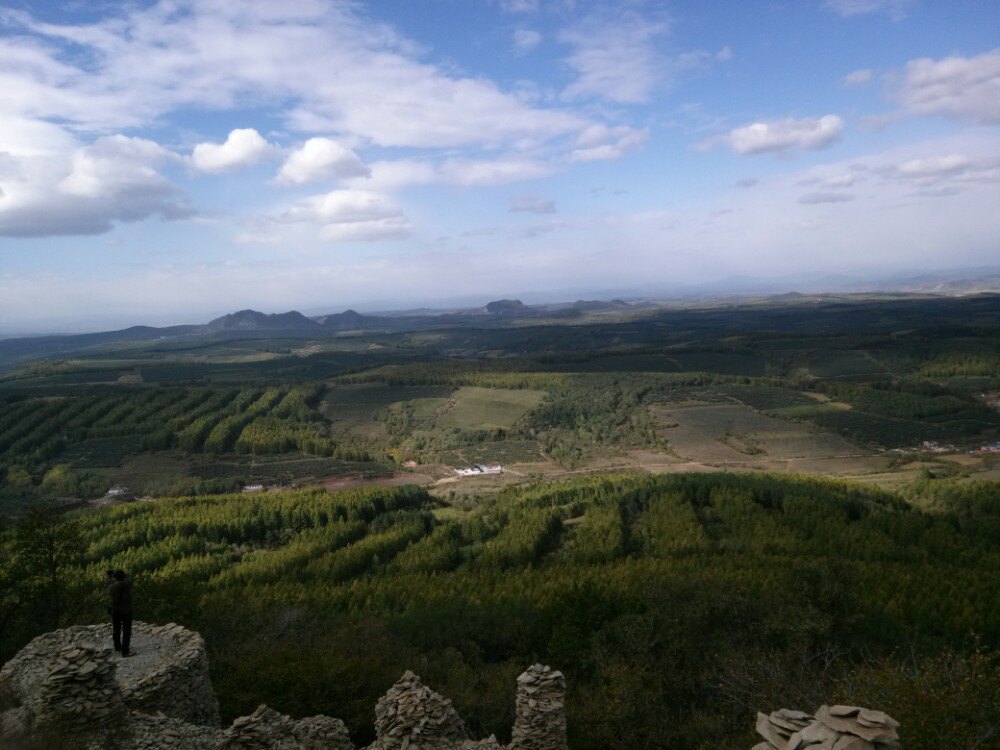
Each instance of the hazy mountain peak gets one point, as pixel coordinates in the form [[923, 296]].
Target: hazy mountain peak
[[253, 320]]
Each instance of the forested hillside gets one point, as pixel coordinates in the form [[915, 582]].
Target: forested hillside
[[848, 387], [676, 605]]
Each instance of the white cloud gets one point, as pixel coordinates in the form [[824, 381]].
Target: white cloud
[[493, 171], [314, 64], [396, 174], [321, 159], [115, 179], [784, 135], [323, 61], [243, 147], [858, 77], [526, 40], [615, 58], [849, 8], [113, 165], [393, 228], [344, 206], [961, 87], [934, 166], [349, 215], [531, 204], [891, 223], [600, 142]]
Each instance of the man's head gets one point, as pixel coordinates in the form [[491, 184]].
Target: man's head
[[119, 575]]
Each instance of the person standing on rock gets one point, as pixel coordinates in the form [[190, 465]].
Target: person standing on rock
[[119, 589]]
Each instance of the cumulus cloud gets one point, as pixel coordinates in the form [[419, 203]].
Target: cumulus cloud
[[615, 59], [526, 40], [962, 87], [848, 8], [321, 159], [896, 223], [783, 135], [114, 179], [67, 83], [350, 215], [243, 147], [858, 77], [531, 204]]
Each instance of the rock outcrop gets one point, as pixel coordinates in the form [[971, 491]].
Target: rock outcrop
[[831, 728], [68, 690]]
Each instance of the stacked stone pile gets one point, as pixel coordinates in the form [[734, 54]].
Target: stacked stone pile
[[266, 729], [540, 710], [411, 716], [832, 728], [80, 694]]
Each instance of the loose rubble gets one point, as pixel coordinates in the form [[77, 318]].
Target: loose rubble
[[266, 729], [68, 689], [831, 728], [540, 718]]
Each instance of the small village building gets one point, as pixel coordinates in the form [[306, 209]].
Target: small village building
[[478, 470]]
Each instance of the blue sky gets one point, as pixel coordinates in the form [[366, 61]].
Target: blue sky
[[164, 162]]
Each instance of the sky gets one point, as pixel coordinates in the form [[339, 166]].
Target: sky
[[164, 162]]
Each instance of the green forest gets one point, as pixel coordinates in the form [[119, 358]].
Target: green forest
[[676, 605], [204, 416]]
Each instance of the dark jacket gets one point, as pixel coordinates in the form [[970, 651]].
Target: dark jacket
[[120, 595]]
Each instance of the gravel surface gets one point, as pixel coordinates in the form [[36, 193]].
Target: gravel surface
[[147, 653]]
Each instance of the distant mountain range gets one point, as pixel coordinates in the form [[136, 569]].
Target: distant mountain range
[[293, 324]]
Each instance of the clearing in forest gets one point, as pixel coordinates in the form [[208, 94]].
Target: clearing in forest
[[486, 408], [727, 432]]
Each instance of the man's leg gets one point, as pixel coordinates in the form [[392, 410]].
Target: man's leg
[[126, 633], [116, 624]]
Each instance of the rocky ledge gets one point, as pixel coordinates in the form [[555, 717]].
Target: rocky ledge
[[68, 690]]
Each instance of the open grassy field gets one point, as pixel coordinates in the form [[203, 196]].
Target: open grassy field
[[729, 432], [487, 408]]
